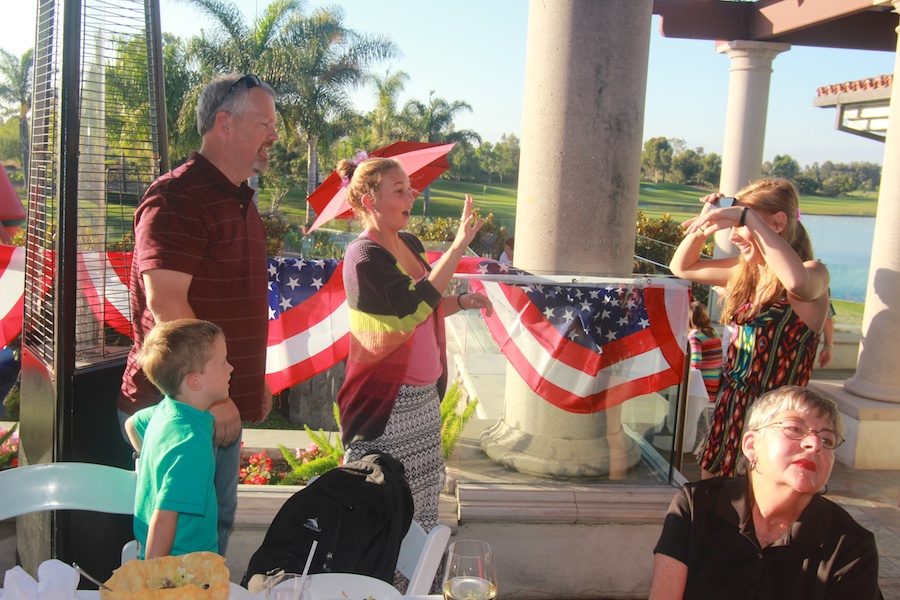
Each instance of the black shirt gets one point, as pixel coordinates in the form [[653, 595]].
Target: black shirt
[[825, 554]]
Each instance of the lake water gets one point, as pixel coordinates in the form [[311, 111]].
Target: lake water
[[845, 245]]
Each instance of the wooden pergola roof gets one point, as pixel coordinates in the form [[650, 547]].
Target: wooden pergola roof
[[857, 24]]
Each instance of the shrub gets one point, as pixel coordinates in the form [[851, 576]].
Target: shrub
[[452, 421]]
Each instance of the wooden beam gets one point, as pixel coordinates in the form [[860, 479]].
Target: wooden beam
[[773, 18], [856, 24], [862, 31], [703, 19]]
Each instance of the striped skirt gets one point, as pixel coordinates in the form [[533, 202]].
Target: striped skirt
[[413, 436]]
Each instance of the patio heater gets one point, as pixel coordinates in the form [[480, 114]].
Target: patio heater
[[98, 140]]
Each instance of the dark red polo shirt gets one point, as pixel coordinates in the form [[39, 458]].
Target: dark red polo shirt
[[194, 220]]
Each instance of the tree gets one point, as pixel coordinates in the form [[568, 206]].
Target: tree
[[711, 169], [434, 122], [233, 45], [324, 60], [838, 184], [15, 94], [464, 163], [284, 174], [687, 165], [507, 151], [805, 184], [385, 118], [182, 89], [656, 158], [487, 159], [784, 166], [10, 144]]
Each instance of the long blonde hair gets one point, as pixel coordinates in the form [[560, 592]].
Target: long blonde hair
[[767, 197]]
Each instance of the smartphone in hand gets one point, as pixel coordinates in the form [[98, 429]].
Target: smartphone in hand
[[725, 202]]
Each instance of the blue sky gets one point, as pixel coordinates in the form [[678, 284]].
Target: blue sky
[[474, 50]]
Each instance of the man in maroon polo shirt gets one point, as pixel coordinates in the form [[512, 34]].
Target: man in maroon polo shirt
[[200, 252]]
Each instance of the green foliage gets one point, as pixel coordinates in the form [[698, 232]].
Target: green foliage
[[10, 147], [656, 241], [434, 121], [324, 247], [15, 95], [656, 158], [286, 172], [452, 421], [330, 455], [441, 229], [276, 227], [659, 238], [12, 400]]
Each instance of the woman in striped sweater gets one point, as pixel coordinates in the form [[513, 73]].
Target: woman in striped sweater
[[397, 368], [706, 348]]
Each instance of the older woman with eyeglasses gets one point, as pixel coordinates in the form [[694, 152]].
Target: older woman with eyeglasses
[[769, 533]]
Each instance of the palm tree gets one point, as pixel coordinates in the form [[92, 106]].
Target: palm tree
[[434, 123], [324, 60], [15, 94], [234, 45], [181, 85], [385, 119]]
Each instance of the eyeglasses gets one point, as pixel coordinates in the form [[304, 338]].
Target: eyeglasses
[[796, 430], [251, 81]]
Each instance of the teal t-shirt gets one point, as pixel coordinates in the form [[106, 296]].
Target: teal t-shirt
[[176, 472]]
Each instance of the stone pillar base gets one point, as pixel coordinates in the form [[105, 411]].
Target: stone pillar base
[[543, 455], [872, 428]]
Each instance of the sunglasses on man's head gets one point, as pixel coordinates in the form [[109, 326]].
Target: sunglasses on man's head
[[251, 81]]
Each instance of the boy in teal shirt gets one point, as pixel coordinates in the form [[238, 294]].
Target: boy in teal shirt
[[175, 510]]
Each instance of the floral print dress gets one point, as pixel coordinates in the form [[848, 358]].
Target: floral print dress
[[768, 350]]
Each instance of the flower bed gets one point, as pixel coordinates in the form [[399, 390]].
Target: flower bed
[[9, 447], [294, 467]]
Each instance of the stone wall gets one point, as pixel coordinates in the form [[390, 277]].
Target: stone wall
[[312, 402]]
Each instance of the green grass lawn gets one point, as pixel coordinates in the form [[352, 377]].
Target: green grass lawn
[[655, 199], [848, 313]]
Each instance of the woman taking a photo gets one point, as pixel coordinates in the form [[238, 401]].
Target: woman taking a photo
[[776, 299], [397, 368], [769, 534]]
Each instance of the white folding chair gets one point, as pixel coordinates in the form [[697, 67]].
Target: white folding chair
[[420, 556], [69, 486]]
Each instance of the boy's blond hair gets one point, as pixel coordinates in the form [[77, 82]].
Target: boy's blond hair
[[175, 348]]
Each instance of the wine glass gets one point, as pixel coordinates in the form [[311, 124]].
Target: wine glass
[[288, 586], [469, 573]]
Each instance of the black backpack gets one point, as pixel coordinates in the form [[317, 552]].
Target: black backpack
[[358, 512]]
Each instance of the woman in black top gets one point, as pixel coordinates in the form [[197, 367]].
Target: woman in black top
[[769, 534]]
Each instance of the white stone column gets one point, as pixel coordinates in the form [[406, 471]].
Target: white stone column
[[877, 375], [585, 85], [745, 118]]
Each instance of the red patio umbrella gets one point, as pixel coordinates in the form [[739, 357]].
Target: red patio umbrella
[[422, 161]]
